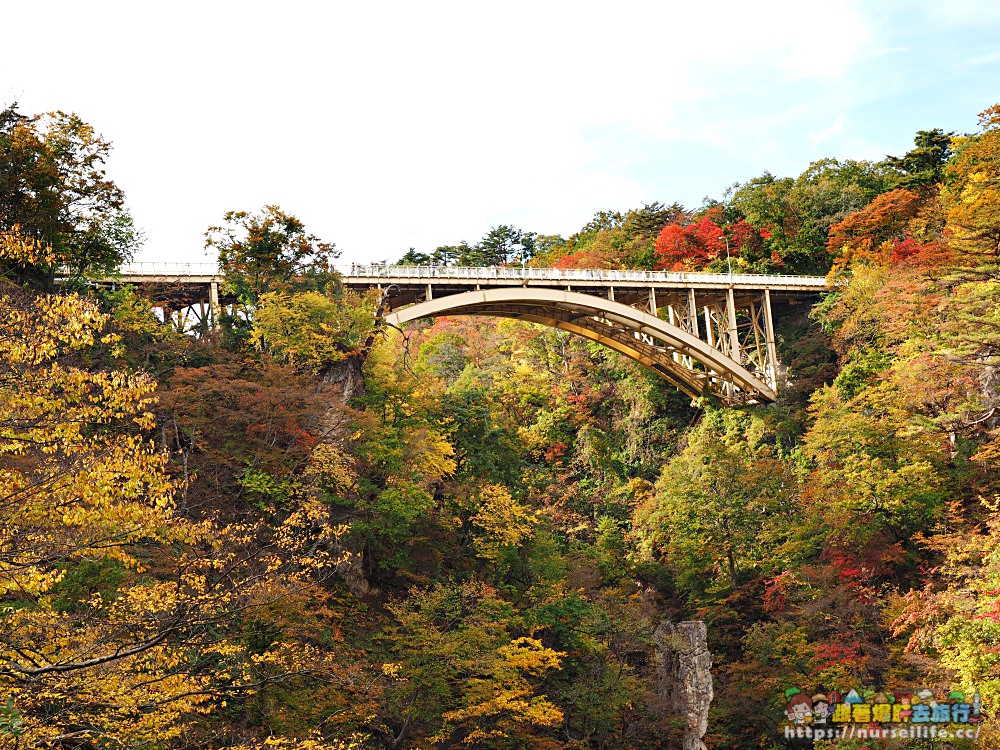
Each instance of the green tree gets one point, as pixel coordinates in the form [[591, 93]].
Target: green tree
[[313, 329], [465, 673], [923, 166], [446, 255], [412, 258], [501, 245], [53, 189], [797, 214], [269, 251], [719, 506], [642, 226], [878, 471]]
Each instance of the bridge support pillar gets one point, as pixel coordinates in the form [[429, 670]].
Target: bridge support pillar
[[734, 337], [652, 302], [213, 304], [772, 349], [611, 293], [672, 318], [430, 293], [693, 312]]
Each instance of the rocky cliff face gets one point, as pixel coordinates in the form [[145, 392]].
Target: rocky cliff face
[[346, 377], [683, 668], [346, 382]]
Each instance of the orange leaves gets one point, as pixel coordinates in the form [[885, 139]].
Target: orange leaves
[[863, 234], [691, 244], [589, 257], [926, 256], [989, 118]]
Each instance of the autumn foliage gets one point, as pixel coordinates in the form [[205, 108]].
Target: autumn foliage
[[866, 233], [306, 530], [689, 247]]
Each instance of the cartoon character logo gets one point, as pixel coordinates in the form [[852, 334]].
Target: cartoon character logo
[[902, 710], [977, 705], [820, 708], [799, 709]]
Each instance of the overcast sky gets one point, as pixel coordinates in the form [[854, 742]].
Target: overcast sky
[[396, 124]]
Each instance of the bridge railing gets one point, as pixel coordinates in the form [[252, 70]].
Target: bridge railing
[[514, 273], [378, 270], [157, 268]]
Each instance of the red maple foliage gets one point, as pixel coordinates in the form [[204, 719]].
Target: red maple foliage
[[845, 651], [689, 246], [909, 252], [585, 258], [692, 246]]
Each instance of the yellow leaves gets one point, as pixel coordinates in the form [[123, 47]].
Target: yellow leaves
[[312, 743], [529, 656], [313, 329], [124, 691], [332, 466], [77, 489], [127, 615], [956, 617], [504, 703], [39, 332], [32, 580], [428, 452], [971, 196], [83, 489], [301, 327], [17, 248], [877, 464], [502, 522]]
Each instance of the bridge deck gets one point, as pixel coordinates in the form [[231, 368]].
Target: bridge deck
[[577, 277], [706, 332], [375, 274]]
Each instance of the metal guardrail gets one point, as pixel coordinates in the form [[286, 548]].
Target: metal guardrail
[[571, 274], [514, 273], [156, 268]]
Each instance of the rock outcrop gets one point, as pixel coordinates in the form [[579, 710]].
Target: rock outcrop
[[345, 377], [683, 667]]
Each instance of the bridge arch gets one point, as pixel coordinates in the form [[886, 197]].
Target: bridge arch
[[673, 353]]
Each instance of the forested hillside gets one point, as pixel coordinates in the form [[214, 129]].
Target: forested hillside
[[307, 529]]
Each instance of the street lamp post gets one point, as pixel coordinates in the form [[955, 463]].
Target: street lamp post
[[729, 261], [519, 249]]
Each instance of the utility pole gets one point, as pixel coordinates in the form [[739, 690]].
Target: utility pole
[[729, 261]]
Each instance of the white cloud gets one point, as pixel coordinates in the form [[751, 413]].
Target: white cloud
[[395, 124]]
